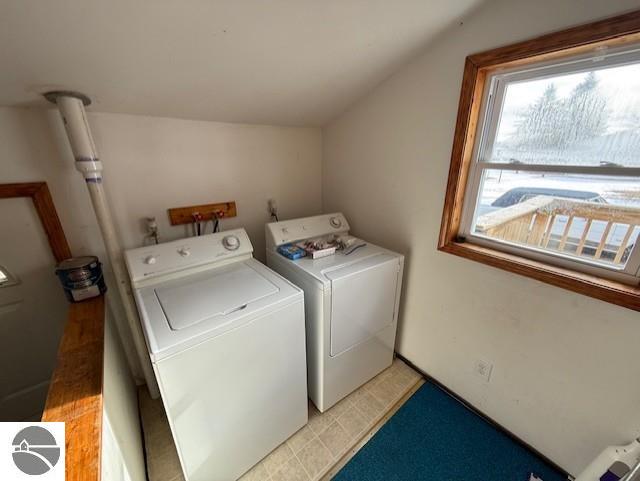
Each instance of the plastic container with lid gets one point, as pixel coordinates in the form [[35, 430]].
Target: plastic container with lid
[[81, 278]]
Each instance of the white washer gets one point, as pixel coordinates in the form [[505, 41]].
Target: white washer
[[351, 306], [227, 343]]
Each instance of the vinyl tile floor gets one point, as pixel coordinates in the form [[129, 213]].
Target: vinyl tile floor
[[312, 452]]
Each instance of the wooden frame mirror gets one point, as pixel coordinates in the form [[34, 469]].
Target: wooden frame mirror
[[42, 201]]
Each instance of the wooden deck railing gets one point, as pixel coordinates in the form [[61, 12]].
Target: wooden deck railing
[[535, 222], [75, 392]]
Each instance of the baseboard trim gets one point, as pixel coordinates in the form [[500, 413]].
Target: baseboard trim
[[479, 413]]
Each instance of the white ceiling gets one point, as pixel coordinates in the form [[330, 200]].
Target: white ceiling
[[286, 62]]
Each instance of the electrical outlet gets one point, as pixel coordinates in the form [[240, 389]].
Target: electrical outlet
[[483, 369]]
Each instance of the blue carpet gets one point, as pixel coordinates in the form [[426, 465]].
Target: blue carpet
[[434, 437]]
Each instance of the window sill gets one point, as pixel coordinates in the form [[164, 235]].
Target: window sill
[[593, 286]]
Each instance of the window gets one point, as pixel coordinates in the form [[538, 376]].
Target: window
[[556, 170], [545, 174]]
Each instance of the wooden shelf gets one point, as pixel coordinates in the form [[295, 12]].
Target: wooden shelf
[[75, 392]]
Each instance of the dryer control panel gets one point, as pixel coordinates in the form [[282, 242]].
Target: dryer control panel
[[286, 231], [170, 257]]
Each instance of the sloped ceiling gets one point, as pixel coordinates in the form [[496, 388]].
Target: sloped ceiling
[[283, 62]]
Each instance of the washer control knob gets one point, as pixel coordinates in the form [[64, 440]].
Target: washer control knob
[[184, 251], [335, 222], [150, 260], [231, 242]]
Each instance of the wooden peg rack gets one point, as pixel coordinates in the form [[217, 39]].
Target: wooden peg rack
[[185, 215]]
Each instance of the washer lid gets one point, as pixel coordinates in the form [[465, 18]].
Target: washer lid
[[224, 290], [221, 293]]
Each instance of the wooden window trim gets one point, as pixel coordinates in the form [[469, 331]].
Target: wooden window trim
[[615, 31], [42, 201]]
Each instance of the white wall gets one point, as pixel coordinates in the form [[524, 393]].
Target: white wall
[[122, 448], [152, 164], [32, 312], [566, 366]]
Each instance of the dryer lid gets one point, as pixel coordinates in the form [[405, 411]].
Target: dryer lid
[[219, 294], [372, 261], [325, 269]]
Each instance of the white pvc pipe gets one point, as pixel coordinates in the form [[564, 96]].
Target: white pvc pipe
[[87, 162]]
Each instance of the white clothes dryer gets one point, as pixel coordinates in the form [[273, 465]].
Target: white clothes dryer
[[351, 305]]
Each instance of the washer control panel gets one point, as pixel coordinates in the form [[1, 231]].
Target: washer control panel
[[286, 231], [157, 260]]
